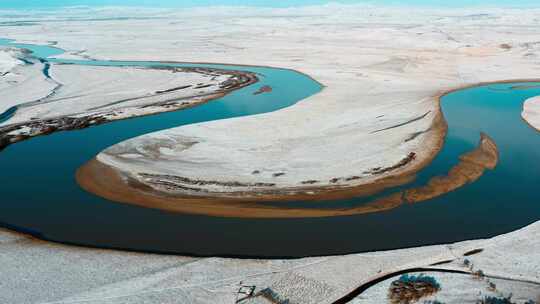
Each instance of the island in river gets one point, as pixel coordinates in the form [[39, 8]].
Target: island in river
[[383, 70]]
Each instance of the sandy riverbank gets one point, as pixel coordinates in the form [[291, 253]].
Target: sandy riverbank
[[373, 61], [398, 174], [105, 181], [380, 68]]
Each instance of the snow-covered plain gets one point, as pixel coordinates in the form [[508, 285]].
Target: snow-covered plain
[[42, 272], [373, 61], [383, 70], [19, 82], [84, 89]]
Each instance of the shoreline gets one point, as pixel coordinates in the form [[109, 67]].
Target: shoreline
[[381, 67], [121, 188], [13, 133], [472, 166], [116, 186], [489, 256]]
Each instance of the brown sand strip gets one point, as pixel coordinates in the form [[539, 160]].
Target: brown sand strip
[[396, 175], [470, 168], [107, 182]]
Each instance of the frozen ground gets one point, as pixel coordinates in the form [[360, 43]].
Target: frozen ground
[[19, 82], [382, 68], [81, 89], [35, 272], [55, 96], [460, 289]]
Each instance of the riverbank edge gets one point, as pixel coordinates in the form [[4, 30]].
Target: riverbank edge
[[449, 255], [84, 120], [115, 185]]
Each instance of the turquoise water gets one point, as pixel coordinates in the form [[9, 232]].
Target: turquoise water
[[44, 51], [18, 4], [40, 196]]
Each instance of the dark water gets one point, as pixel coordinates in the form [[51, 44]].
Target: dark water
[[39, 193]]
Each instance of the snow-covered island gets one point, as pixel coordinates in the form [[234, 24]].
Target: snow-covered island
[[377, 116], [377, 119]]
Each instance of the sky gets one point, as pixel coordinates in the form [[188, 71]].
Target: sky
[[11, 4]]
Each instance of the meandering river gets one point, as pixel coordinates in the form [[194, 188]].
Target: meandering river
[[39, 194]]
